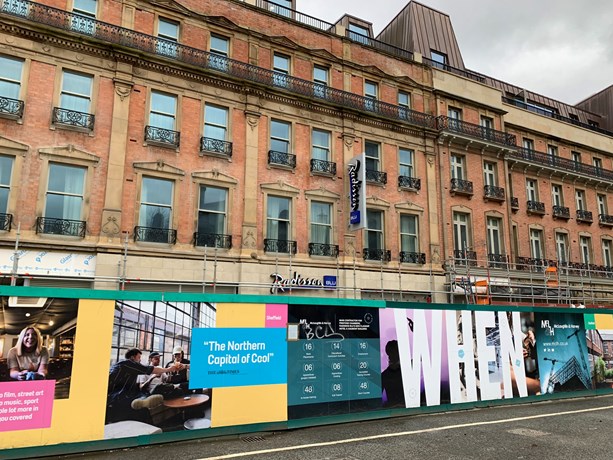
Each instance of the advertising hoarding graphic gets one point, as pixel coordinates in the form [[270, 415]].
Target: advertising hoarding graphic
[[239, 364], [232, 357], [562, 352], [451, 357], [333, 358], [27, 405]]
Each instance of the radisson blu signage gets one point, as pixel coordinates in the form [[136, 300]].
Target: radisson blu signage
[[356, 172]]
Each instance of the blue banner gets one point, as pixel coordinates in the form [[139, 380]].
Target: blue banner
[[232, 357]]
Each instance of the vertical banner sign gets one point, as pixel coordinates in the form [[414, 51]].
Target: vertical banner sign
[[356, 171]]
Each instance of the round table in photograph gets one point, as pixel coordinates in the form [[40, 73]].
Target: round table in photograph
[[186, 402]]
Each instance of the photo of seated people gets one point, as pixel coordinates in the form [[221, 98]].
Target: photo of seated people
[[148, 389], [37, 340]]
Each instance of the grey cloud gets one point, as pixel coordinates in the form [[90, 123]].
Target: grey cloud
[[514, 41]]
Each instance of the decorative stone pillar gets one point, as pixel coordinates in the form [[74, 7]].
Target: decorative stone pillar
[[111, 213], [251, 193]]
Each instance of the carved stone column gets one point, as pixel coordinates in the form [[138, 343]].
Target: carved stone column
[[111, 213], [252, 125]]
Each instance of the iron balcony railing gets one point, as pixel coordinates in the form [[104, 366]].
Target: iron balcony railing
[[534, 264], [379, 45], [208, 144], [412, 183], [552, 114], [325, 250], [163, 137], [497, 260], [535, 207], [280, 246], [281, 159], [324, 167], [67, 227], [412, 257], [514, 202], [584, 216], [6, 220], [461, 186], [492, 192], [462, 72], [605, 219], [302, 18], [561, 212], [583, 269], [383, 255], [376, 177], [73, 118], [11, 107], [468, 258], [483, 133], [155, 235], [128, 38], [213, 240], [558, 163]]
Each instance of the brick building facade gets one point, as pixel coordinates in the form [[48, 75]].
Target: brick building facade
[[202, 146]]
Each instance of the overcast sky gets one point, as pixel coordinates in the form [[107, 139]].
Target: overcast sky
[[559, 48]]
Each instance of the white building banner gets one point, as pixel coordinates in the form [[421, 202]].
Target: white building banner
[[48, 263]]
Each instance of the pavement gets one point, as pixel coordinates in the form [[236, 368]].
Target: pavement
[[578, 428]]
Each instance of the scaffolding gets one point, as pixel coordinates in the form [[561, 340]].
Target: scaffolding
[[528, 281]]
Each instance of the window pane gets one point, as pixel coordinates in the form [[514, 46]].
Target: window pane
[[321, 145], [66, 179], [10, 68], [76, 103], [157, 191], [9, 89], [216, 121], [76, 92], [85, 6], [370, 89], [320, 222], [374, 220], [6, 169], [372, 150], [209, 222], [216, 115], [10, 77], [320, 213], [213, 199], [320, 74], [278, 207], [408, 224], [281, 63], [279, 146], [164, 103], [4, 199], [168, 30], [215, 132], [219, 45], [77, 84], [63, 207], [162, 121], [279, 129], [154, 216]]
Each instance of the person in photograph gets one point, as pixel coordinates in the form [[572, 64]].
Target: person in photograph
[[391, 377], [179, 377], [28, 359], [158, 384], [125, 399]]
